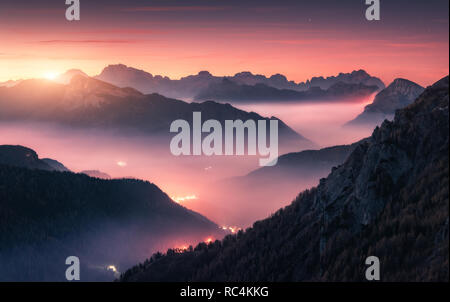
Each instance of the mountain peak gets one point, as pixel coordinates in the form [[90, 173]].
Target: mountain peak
[[66, 77], [121, 70], [399, 94], [360, 72], [403, 86], [204, 73], [19, 156]]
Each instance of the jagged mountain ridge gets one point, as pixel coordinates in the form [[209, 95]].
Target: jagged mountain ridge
[[91, 103], [389, 199], [193, 85], [229, 91]]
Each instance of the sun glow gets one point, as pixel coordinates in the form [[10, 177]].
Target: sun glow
[[50, 75]]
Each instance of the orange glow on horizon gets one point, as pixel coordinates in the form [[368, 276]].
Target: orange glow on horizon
[[227, 53]]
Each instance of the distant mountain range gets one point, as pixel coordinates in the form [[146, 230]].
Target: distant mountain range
[[399, 94], [389, 199], [229, 91], [10, 83], [88, 102], [46, 216], [198, 86]]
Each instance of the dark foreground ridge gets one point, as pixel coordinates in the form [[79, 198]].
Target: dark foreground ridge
[[389, 199], [46, 216]]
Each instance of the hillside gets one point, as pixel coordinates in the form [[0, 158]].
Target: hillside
[[389, 199], [305, 162], [19, 156], [46, 216], [263, 191]]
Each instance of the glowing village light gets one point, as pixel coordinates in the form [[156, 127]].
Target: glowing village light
[[113, 269], [233, 229]]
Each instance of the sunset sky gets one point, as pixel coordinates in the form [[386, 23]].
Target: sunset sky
[[299, 39]]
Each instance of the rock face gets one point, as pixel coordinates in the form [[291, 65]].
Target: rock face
[[389, 199], [399, 94], [194, 85]]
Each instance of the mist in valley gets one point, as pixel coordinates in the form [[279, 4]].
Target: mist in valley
[[201, 183]]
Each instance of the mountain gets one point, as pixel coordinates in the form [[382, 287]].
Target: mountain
[[91, 103], [66, 77], [399, 94], [269, 188], [355, 77], [305, 164], [96, 174], [10, 83], [46, 216], [56, 165], [389, 199], [292, 171], [19, 156], [229, 91], [193, 85]]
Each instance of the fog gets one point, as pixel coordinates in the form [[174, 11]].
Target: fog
[[105, 246], [320, 122], [201, 178]]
